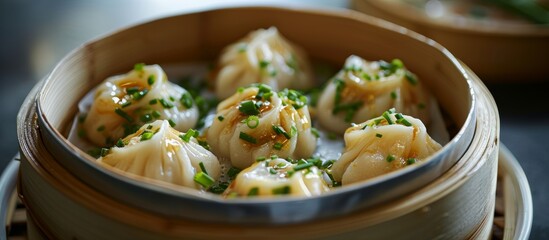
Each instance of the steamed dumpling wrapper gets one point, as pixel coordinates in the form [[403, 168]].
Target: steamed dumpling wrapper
[[278, 177], [159, 152], [258, 122], [264, 56], [379, 146], [364, 90], [125, 102]]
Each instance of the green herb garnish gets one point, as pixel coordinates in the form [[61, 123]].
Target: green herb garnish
[[247, 138], [204, 179]]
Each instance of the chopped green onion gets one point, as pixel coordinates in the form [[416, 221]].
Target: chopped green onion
[[293, 131], [274, 156], [253, 192], [411, 77], [280, 130], [278, 146], [393, 95], [153, 101], [140, 94], [327, 164], [252, 121], [204, 144], [204, 179], [272, 171], [240, 89], [146, 118], [186, 100], [282, 190], [138, 66], [397, 63], [399, 116], [366, 76], [340, 85], [104, 152], [247, 138], [263, 63], [171, 122], [220, 118], [165, 103], [379, 135], [404, 122], [126, 104], [150, 127], [155, 114], [120, 143], [387, 117], [411, 161], [233, 172], [146, 135], [390, 158], [272, 73], [315, 132], [248, 108], [101, 128], [260, 159], [187, 136], [201, 164], [150, 80], [123, 114], [303, 166]]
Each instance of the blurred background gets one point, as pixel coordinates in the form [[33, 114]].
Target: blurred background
[[38, 33]]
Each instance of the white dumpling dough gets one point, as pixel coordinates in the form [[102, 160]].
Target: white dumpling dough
[[165, 156], [375, 149], [278, 177], [225, 135], [141, 100], [363, 90], [263, 56]]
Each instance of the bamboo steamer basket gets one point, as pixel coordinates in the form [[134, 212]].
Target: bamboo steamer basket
[[456, 204], [497, 52]]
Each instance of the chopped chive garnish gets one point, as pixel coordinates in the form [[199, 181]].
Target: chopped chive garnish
[[272, 73], [146, 135], [404, 122], [397, 63], [240, 89], [392, 110], [248, 108], [399, 116], [187, 136], [233, 172], [204, 179], [252, 121], [123, 114], [104, 152], [340, 85], [393, 95], [253, 192], [101, 128], [146, 118], [315, 132], [171, 122], [186, 100], [272, 171], [387, 117], [278, 146], [411, 78], [150, 127], [165, 103], [293, 131], [201, 164], [140, 94], [150, 80], [282, 190], [390, 158], [263, 63], [303, 166], [379, 135], [411, 161], [204, 144], [247, 138], [280, 130], [327, 164], [260, 159], [138, 66], [274, 156], [132, 90], [366, 76], [126, 104], [155, 114], [153, 101], [120, 143], [220, 118]]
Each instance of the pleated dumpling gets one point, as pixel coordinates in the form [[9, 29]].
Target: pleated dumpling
[[125, 102], [157, 151], [279, 177], [382, 145], [364, 90], [264, 56], [258, 122]]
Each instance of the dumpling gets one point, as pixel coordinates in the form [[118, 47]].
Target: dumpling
[[382, 145], [125, 102], [279, 177], [157, 151], [258, 122], [363, 90], [264, 56]]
